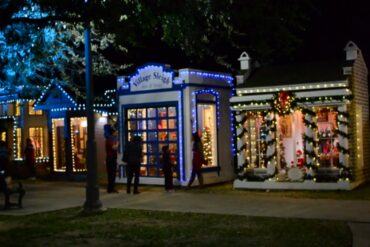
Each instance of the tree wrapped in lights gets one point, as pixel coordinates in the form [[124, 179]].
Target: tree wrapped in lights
[[34, 52], [207, 145]]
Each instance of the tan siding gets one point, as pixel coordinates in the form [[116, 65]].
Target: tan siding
[[360, 90]]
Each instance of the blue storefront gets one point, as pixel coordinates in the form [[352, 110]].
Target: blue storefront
[[165, 107]]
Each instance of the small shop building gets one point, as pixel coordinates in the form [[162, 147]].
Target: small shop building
[[165, 107], [303, 126], [19, 121], [67, 128]]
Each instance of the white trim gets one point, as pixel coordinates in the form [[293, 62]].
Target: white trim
[[148, 98], [304, 185], [323, 93], [293, 87], [251, 98]]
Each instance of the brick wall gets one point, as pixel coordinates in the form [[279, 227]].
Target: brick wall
[[360, 89]]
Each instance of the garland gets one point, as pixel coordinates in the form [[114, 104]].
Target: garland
[[308, 112], [282, 102], [343, 149], [309, 124], [345, 172], [344, 114], [293, 101], [242, 147], [270, 157], [313, 126], [342, 133], [343, 122], [270, 126], [324, 98], [242, 133]]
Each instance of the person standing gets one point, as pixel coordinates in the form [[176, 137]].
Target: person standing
[[111, 145], [134, 150], [4, 159], [167, 169], [197, 161], [29, 153]]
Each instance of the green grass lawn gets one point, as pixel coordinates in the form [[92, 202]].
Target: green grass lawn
[[123, 227]]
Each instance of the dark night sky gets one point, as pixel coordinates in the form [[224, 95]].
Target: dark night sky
[[332, 24]]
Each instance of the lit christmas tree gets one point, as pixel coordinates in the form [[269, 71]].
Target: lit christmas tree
[[207, 145]]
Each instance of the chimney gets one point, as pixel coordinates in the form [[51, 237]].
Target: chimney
[[351, 50], [244, 61], [245, 68]]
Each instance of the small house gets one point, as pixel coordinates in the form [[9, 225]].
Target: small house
[[303, 126]]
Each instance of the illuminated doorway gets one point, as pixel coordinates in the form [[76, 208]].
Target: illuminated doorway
[[79, 139], [59, 147]]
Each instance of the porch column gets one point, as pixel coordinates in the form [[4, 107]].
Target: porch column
[[240, 145], [271, 152], [343, 141], [309, 140]]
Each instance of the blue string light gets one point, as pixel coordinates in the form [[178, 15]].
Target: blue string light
[[181, 165], [193, 98], [229, 79]]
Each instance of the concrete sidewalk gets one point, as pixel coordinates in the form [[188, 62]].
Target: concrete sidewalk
[[49, 196]]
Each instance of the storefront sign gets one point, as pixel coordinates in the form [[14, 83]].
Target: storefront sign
[[151, 78]]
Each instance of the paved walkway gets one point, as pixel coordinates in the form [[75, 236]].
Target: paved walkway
[[49, 196]]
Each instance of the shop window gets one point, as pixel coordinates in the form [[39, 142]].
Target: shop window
[[19, 149], [255, 149], [157, 127], [37, 136], [3, 136], [79, 139], [32, 111], [17, 108], [328, 142], [207, 127]]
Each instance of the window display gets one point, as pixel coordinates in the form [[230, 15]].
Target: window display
[[157, 128], [19, 149], [37, 137], [206, 120], [328, 142]]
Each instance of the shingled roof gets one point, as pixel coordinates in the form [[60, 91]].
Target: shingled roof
[[295, 73]]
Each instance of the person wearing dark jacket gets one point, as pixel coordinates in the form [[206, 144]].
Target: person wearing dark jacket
[[111, 160], [135, 154], [30, 159], [167, 169]]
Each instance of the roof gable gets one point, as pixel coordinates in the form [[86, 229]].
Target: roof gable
[[54, 97]]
